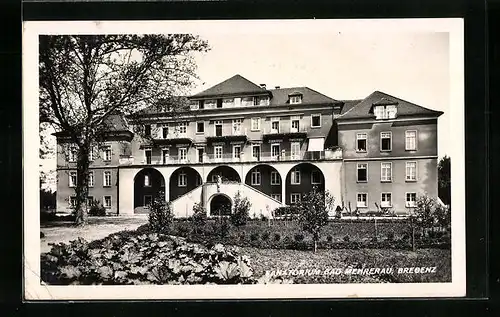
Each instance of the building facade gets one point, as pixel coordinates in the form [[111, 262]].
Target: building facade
[[270, 145]]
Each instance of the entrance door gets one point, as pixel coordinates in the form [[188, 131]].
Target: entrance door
[[201, 152], [220, 205]]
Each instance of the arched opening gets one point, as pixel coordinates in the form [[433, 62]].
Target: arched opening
[[148, 183], [183, 180], [227, 174], [220, 205], [266, 179], [301, 179]]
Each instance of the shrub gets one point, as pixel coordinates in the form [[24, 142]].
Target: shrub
[[298, 237], [263, 217], [241, 210], [346, 238], [222, 226], [390, 236], [42, 235], [160, 216], [277, 237], [96, 209], [254, 236], [265, 236], [329, 238], [199, 217]]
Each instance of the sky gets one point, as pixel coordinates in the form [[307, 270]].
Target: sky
[[414, 66]]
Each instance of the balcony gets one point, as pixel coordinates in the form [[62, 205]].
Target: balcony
[[284, 131], [173, 139], [239, 135]]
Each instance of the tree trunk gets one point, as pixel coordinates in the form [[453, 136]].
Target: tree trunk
[[81, 189]]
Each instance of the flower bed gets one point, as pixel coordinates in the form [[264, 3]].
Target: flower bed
[[280, 234], [134, 258]]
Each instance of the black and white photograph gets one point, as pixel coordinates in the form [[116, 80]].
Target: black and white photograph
[[243, 159]]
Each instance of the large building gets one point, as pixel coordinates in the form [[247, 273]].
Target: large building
[[271, 145]]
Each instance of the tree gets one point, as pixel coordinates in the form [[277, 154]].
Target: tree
[[313, 210], [86, 79], [241, 210], [444, 180]]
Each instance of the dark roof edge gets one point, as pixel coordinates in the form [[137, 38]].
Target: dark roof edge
[[434, 115]]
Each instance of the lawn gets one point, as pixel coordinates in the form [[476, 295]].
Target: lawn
[[96, 228], [263, 260]]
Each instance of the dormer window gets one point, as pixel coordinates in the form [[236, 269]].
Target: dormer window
[[295, 99], [385, 111]]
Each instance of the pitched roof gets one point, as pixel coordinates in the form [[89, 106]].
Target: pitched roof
[[349, 104], [363, 109], [234, 85], [281, 96], [116, 122]]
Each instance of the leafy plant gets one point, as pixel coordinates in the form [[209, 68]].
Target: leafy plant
[[265, 236], [160, 216], [199, 216], [241, 210], [96, 209], [298, 237], [277, 237]]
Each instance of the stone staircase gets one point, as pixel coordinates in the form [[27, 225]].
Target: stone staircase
[[262, 204]]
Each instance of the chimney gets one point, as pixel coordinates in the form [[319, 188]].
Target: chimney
[[277, 87], [263, 86]]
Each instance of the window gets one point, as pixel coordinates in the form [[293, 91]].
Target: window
[[295, 150], [218, 152], [295, 99], [201, 104], [107, 153], [107, 179], [107, 201], [182, 179], [91, 154], [147, 181], [411, 140], [219, 103], [237, 123], [385, 112], [182, 154], [73, 153], [147, 155], [294, 123], [91, 179], [276, 197], [148, 199], [164, 132], [295, 177], [165, 154], [72, 201], [385, 172], [411, 199], [218, 128], [411, 171], [275, 125], [315, 121], [275, 178], [255, 124], [147, 130], [236, 151], [275, 150], [386, 200], [294, 198], [256, 101], [90, 200], [200, 127], [255, 177], [385, 141], [72, 179], [256, 152], [361, 142], [182, 128], [362, 172], [315, 177], [362, 201]]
